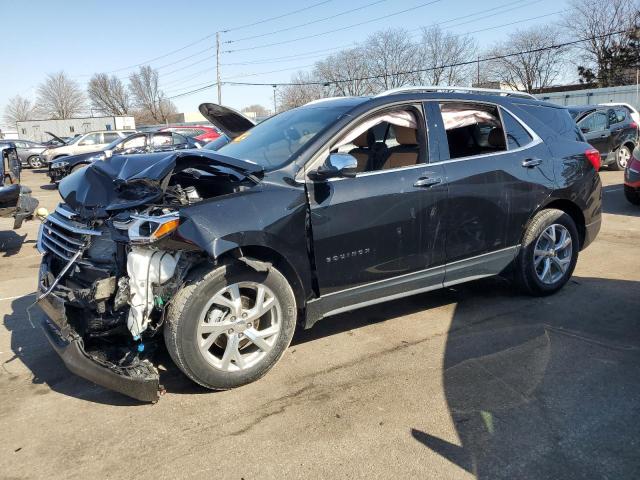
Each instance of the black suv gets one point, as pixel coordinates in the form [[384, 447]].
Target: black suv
[[610, 130], [323, 209]]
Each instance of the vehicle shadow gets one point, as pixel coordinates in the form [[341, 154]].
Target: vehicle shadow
[[30, 346], [49, 186], [543, 388], [11, 242], [614, 202]]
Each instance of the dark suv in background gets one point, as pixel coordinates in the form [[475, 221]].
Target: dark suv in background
[[610, 129], [327, 208]]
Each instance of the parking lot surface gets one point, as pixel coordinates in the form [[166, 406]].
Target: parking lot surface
[[475, 381]]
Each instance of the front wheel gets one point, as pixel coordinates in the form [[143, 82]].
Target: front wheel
[[548, 254], [229, 326]]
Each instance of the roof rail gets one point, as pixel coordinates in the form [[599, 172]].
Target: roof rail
[[428, 88]]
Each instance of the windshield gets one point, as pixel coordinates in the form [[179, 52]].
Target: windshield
[[273, 142], [115, 143], [74, 140]]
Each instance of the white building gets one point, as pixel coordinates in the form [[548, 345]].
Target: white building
[[626, 94], [36, 129]]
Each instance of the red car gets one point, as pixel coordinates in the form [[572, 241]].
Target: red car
[[632, 178], [203, 133]]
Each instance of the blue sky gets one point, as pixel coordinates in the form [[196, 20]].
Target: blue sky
[[83, 37]]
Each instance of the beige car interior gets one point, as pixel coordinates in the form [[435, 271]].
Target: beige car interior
[[386, 141]]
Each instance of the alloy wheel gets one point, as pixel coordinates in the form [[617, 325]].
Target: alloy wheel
[[35, 162], [623, 157], [239, 326], [552, 254]]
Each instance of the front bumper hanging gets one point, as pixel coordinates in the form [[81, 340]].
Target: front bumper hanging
[[140, 381]]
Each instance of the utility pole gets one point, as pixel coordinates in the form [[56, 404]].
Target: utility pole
[[478, 73], [218, 68], [274, 99]]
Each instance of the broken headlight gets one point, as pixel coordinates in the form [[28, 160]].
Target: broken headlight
[[148, 229]]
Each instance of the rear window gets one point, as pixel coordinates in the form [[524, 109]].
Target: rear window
[[516, 134], [556, 119]]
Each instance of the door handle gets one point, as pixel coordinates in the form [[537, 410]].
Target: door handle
[[426, 182], [531, 162]]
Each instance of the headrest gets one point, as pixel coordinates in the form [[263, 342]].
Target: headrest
[[496, 138], [405, 135], [361, 140]]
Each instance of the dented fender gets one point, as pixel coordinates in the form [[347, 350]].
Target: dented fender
[[268, 215]]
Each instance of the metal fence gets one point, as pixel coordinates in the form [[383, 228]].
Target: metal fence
[[626, 94]]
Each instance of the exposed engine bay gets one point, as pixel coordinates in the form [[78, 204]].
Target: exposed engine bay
[[113, 257]]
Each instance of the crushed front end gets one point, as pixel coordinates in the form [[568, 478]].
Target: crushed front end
[[105, 299]]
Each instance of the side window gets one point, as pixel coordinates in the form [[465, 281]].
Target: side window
[[595, 122], [472, 129], [135, 142], [385, 141], [621, 115], [110, 137], [178, 139], [91, 139], [161, 139], [516, 134]]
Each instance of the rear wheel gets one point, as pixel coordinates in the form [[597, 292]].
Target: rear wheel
[[548, 254], [623, 154], [230, 326], [632, 194], [34, 161]]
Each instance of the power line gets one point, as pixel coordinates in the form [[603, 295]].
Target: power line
[[307, 23], [276, 17], [336, 29], [337, 48]]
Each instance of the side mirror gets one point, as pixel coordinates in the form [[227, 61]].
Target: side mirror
[[336, 165], [108, 153]]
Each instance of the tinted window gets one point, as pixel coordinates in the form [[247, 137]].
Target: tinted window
[[517, 136], [472, 129], [110, 137], [595, 122], [558, 120], [618, 115], [178, 139]]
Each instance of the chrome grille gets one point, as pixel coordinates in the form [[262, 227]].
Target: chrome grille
[[63, 236]]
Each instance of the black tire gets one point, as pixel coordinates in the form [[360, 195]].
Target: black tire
[[616, 163], [632, 194], [183, 317], [525, 271], [33, 163]]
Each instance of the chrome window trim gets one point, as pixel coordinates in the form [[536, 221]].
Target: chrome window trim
[[301, 176]]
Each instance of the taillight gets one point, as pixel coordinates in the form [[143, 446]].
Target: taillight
[[593, 156], [633, 125]]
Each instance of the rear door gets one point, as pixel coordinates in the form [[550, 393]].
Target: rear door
[[497, 170], [595, 128]]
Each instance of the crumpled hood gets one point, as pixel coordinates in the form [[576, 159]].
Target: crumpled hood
[[128, 181]]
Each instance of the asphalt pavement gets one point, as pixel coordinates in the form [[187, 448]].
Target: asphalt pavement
[[476, 381]]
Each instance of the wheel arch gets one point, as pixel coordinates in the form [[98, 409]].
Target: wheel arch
[[60, 156], [630, 145], [571, 209], [269, 255]]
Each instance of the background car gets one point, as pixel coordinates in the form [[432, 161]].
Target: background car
[[28, 152], [611, 130], [632, 178], [635, 115], [202, 133], [88, 142], [137, 143]]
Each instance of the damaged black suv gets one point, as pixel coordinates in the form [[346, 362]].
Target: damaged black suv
[[323, 209]]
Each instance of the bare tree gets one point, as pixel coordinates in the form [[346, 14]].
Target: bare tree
[[345, 73], [307, 90], [440, 54], [109, 94], [599, 20], [386, 55], [259, 110], [60, 97], [531, 60], [152, 104], [18, 109]]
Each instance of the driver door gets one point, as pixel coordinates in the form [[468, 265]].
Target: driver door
[[379, 234]]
